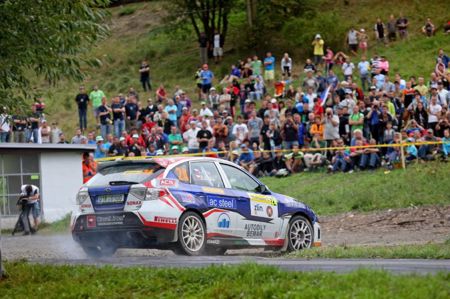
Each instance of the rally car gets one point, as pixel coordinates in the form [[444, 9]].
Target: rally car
[[192, 206]]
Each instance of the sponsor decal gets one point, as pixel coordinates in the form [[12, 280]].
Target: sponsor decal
[[134, 202], [265, 199], [269, 211], [255, 230], [168, 220], [223, 203], [213, 190], [187, 198], [223, 221], [214, 242], [257, 209], [263, 205], [168, 183]]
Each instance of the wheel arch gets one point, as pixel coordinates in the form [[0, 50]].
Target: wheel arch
[[194, 211]]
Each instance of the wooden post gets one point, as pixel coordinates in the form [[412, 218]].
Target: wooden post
[[402, 153]]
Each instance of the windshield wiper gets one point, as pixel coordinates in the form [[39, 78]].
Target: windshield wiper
[[115, 183]]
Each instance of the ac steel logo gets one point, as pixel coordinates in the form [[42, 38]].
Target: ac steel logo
[[223, 221]]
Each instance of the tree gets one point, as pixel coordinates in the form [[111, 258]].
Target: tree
[[48, 39], [206, 16]]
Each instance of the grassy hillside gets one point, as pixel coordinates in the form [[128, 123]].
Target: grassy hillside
[[327, 194], [140, 31]]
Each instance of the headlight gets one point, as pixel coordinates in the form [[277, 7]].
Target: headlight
[[82, 195]]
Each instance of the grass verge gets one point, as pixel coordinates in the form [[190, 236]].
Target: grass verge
[[243, 281], [419, 184], [423, 251]]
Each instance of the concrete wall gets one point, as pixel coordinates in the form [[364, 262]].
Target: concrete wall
[[61, 178]]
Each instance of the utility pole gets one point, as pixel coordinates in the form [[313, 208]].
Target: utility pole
[[251, 12]]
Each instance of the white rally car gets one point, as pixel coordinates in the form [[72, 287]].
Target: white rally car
[[192, 206]]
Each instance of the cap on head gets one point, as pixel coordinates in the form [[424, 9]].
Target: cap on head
[[98, 138]]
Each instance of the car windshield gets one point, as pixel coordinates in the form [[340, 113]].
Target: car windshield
[[130, 173]]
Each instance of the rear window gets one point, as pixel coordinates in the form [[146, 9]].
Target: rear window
[[122, 173]]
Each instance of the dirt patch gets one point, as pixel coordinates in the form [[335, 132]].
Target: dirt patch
[[415, 225], [146, 17]]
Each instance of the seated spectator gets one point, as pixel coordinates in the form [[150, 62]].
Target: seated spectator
[[294, 160], [341, 158], [246, 157], [428, 29], [370, 157], [411, 150]]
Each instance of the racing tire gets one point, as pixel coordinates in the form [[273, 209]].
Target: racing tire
[[300, 234], [99, 251], [191, 235], [210, 250]]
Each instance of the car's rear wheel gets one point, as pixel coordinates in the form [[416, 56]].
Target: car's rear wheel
[[191, 234], [102, 249], [300, 234]]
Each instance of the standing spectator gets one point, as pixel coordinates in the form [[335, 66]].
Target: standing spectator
[[356, 120], [286, 66], [5, 127], [45, 132], [118, 111], [204, 44], [364, 72], [347, 69], [171, 110], [82, 100], [289, 133], [131, 113], [104, 113], [220, 131], [203, 136], [205, 111], [207, 77], [269, 68], [363, 40], [374, 117], [352, 41], [190, 136], [434, 113], [318, 43], [213, 99], [256, 65], [100, 150], [19, 128], [96, 97], [328, 59], [379, 30], [175, 140], [331, 126], [254, 125], [161, 95], [240, 130], [33, 121], [392, 28], [217, 50], [56, 133], [402, 26], [443, 94], [78, 138], [144, 71]]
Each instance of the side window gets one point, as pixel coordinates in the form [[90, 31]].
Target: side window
[[205, 174], [180, 172], [239, 179]]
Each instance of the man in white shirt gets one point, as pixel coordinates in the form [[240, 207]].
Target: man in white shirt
[[331, 130], [5, 127], [217, 50], [240, 130], [190, 136], [205, 111], [29, 200], [347, 69], [364, 72], [434, 112], [286, 66], [444, 94]]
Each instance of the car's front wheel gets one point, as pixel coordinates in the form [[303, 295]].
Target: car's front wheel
[[191, 234], [300, 234]]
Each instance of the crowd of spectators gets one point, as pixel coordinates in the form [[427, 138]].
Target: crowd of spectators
[[240, 119]]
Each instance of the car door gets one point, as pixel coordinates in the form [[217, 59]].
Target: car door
[[220, 205], [258, 211]]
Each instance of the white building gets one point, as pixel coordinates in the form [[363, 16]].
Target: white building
[[54, 168]]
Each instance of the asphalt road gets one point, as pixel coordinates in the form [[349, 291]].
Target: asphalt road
[[399, 266], [61, 249]]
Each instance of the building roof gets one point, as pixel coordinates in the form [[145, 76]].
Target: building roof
[[12, 147]]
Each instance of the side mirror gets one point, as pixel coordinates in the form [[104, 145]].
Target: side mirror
[[263, 189]]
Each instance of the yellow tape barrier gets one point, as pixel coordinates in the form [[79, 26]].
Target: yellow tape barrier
[[270, 151]]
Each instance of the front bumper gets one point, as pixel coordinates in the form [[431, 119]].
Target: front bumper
[[124, 229]]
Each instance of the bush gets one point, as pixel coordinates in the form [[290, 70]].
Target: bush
[[301, 31]]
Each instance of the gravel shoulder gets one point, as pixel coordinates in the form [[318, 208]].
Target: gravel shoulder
[[392, 227]]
